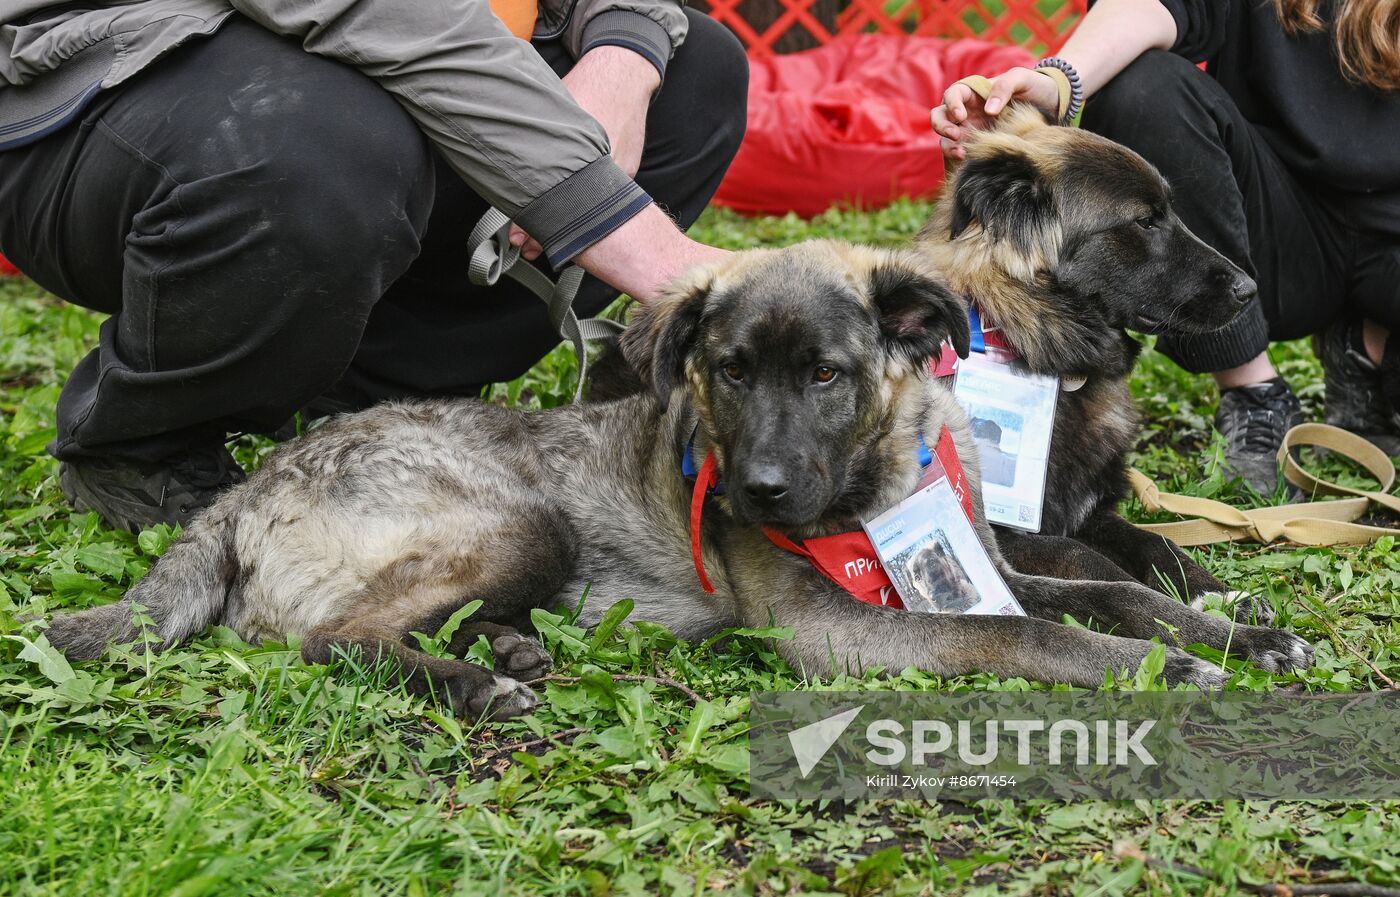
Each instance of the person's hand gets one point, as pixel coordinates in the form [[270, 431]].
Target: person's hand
[[614, 85], [529, 246], [963, 110]]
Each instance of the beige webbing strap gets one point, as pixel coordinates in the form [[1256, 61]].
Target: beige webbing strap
[[1063, 86], [980, 84], [1307, 523]]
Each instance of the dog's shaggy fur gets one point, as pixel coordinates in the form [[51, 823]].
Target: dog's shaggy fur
[[1064, 239]]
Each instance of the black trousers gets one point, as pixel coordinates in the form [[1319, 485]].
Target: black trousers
[[264, 226], [1312, 265]]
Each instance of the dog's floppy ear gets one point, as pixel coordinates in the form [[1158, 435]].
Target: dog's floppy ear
[[917, 310], [1006, 193], [663, 333]]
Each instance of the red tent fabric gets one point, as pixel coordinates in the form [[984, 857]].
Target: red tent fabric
[[849, 122]]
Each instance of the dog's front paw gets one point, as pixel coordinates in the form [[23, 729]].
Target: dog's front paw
[[1245, 607], [1272, 650], [521, 657], [494, 697], [1192, 670]]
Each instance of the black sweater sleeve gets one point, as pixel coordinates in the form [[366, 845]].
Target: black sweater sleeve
[[1201, 26]]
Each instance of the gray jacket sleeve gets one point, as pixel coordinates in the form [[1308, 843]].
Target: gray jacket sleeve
[[650, 28], [490, 104]]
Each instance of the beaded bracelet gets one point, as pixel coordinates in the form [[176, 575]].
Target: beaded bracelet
[[1076, 90]]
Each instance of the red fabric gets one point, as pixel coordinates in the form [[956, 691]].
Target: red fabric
[[849, 122], [7, 269], [1031, 23], [850, 561], [946, 451]]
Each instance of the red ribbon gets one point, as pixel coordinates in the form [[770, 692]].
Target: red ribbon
[[704, 482], [945, 451], [946, 364]]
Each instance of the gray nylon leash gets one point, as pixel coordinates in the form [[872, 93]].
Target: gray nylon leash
[[492, 256]]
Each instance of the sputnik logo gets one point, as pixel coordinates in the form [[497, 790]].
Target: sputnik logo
[[811, 742]]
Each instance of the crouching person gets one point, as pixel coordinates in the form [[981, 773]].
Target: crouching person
[[1282, 156], [272, 201]]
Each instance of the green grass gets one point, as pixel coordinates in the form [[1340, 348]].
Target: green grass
[[226, 768]]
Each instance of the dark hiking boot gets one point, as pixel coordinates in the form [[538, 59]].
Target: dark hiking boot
[[1253, 420], [132, 495], [1355, 398], [1390, 388]]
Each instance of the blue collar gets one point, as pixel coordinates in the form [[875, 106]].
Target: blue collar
[[974, 322], [688, 468], [690, 471]]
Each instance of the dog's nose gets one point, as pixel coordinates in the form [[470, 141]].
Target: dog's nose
[[765, 485], [1242, 287]]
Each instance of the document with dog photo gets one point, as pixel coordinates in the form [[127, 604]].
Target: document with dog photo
[[1012, 413], [934, 558]]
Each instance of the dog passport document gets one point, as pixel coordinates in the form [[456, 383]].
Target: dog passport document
[[1012, 413], [934, 558]]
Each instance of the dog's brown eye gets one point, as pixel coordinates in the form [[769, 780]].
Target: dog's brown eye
[[824, 374], [734, 372], [1148, 223]]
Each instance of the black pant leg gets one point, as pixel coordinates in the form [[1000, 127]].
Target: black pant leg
[[1375, 280], [1235, 194], [239, 208], [436, 333]]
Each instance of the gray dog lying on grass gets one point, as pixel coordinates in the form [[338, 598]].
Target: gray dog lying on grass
[[804, 372]]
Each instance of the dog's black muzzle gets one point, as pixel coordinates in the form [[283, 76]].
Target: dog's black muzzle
[[1209, 293], [781, 488]]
